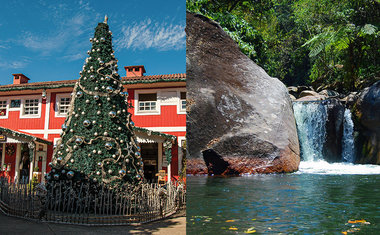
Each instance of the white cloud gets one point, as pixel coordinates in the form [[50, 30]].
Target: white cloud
[[74, 57], [146, 34], [67, 37], [13, 64], [43, 43]]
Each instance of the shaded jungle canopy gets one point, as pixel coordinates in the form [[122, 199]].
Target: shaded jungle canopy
[[327, 44]]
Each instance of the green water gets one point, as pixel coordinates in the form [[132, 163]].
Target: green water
[[284, 204]]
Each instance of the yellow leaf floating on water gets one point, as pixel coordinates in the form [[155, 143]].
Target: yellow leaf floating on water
[[362, 221], [230, 220], [253, 219], [344, 233], [250, 230], [233, 228]]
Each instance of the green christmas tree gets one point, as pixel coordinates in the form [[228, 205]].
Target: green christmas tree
[[97, 143]]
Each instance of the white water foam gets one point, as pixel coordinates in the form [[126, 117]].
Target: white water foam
[[342, 168], [311, 121], [348, 144]]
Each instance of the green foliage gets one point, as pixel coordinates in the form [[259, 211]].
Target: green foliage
[[182, 173], [249, 40], [325, 43]]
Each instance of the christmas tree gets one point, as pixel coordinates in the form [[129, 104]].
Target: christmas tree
[[97, 143]]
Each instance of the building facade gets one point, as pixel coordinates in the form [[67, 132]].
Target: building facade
[[31, 116]]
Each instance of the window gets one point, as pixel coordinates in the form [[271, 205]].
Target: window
[[31, 107], [63, 105], [3, 108], [15, 103], [183, 101], [147, 102]]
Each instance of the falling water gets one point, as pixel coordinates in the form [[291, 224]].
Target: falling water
[[311, 127], [348, 138]]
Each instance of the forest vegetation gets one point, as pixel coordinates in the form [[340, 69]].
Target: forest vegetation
[[327, 44]]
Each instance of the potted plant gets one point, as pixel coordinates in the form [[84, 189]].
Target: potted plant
[[37, 174]]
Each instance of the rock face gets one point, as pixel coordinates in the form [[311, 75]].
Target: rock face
[[240, 120], [334, 130], [367, 123]]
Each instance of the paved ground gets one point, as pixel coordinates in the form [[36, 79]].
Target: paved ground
[[175, 225]]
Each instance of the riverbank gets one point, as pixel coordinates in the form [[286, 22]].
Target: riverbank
[[174, 225]]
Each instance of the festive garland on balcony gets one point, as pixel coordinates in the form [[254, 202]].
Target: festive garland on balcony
[[29, 87], [168, 144], [153, 81], [22, 135]]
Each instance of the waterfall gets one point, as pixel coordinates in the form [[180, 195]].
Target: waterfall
[[311, 127], [348, 138]]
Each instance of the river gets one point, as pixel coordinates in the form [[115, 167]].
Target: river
[[329, 199]]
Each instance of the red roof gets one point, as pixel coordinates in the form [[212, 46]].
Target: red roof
[[156, 77], [70, 83]]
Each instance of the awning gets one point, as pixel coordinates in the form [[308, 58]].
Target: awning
[[11, 136], [145, 135]]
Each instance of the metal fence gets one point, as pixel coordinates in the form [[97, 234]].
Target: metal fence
[[63, 202]]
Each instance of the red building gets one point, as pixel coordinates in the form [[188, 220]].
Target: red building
[[31, 116]]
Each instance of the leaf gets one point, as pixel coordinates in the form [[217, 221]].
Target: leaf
[[368, 29], [233, 228], [229, 221], [250, 230], [362, 221]]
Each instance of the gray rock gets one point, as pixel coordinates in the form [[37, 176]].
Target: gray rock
[[309, 93], [367, 122], [239, 117], [329, 93], [351, 99], [334, 130]]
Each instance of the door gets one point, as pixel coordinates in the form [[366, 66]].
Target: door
[[149, 154]]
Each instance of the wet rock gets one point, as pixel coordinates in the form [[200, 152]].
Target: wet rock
[[293, 90], [296, 90], [293, 98], [334, 130], [310, 96], [351, 99], [329, 93], [240, 119], [367, 122]]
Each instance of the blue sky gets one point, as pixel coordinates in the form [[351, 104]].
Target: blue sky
[[48, 40]]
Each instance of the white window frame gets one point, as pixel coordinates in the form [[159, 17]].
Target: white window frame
[[7, 108], [58, 103], [23, 100], [177, 102], [146, 112], [10, 101], [180, 110]]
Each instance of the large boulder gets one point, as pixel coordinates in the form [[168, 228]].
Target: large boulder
[[240, 120], [367, 122]]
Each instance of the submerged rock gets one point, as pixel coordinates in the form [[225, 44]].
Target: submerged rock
[[367, 122], [240, 120]]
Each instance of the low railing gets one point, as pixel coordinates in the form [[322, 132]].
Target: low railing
[[83, 204]]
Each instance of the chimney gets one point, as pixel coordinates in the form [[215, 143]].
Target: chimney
[[135, 71], [19, 78]]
